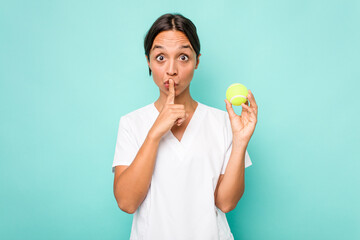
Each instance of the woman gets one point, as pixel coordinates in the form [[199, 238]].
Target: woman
[[179, 164]]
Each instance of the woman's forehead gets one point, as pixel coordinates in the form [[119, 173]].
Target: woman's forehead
[[171, 39]]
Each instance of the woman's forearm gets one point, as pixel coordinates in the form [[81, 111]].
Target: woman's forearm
[[232, 186], [132, 185]]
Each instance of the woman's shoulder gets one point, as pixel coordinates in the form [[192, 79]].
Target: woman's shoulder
[[216, 119], [141, 113], [214, 111]]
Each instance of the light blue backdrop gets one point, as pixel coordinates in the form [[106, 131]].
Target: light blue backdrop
[[70, 69]]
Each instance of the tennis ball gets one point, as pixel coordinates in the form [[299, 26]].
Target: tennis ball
[[236, 94]]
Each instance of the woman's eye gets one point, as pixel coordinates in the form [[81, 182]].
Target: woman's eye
[[184, 57], [160, 58]]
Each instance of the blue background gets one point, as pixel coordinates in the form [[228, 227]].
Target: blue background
[[70, 69]]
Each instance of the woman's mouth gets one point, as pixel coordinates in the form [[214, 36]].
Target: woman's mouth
[[167, 84]]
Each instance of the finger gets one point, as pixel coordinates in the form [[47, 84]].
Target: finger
[[247, 108], [229, 109], [250, 112], [181, 120], [251, 98], [178, 106], [171, 95], [179, 114]]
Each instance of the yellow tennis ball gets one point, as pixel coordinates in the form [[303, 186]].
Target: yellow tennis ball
[[236, 94]]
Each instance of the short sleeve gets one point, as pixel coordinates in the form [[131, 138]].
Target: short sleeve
[[228, 146], [126, 147]]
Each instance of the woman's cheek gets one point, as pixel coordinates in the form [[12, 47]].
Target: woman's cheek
[[158, 72], [189, 71]]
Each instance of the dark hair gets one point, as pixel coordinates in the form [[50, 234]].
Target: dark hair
[[172, 22]]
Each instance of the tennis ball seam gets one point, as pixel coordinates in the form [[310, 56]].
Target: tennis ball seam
[[236, 96]]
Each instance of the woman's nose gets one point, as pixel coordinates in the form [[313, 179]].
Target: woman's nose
[[172, 68]]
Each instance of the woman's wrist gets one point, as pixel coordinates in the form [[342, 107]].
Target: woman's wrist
[[239, 142], [153, 136]]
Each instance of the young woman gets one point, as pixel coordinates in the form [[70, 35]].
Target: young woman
[[179, 164]]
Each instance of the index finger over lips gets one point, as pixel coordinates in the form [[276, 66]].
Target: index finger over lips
[[171, 95]]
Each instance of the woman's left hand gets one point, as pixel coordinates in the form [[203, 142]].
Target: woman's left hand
[[243, 126]]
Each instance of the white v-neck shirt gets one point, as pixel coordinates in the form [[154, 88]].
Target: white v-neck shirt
[[180, 203]]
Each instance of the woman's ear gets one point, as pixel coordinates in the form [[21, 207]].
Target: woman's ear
[[148, 62], [147, 59], [197, 61]]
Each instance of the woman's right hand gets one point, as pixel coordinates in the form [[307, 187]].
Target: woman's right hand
[[170, 115]]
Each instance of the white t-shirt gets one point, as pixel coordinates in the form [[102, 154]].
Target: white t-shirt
[[180, 202]]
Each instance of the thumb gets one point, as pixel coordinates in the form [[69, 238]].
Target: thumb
[[171, 95], [229, 109]]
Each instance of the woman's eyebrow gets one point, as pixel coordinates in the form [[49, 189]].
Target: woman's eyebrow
[[185, 46], [181, 47], [158, 46]]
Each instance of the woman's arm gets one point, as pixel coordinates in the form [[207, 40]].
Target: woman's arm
[[231, 185], [132, 184]]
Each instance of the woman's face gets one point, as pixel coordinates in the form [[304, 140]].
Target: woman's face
[[172, 57]]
